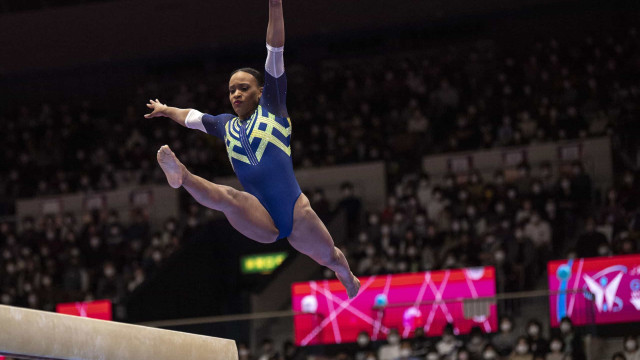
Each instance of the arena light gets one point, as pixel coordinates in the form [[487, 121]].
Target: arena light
[[600, 290], [324, 314], [262, 263]]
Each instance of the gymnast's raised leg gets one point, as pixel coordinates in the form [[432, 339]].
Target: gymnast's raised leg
[[249, 217]]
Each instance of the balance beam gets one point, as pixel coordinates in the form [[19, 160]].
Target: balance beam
[[32, 334]]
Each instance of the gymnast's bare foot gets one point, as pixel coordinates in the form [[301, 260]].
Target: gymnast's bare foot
[[352, 285], [172, 167]]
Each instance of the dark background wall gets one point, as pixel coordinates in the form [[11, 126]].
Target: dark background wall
[[103, 32]]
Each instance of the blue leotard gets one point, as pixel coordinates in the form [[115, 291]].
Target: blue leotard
[[260, 153]]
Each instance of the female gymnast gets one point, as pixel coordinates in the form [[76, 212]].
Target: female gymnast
[[272, 206]]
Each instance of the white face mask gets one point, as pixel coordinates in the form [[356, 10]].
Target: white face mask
[[630, 345], [565, 327], [489, 355], [433, 356], [556, 346], [534, 330], [393, 339], [505, 326], [363, 340], [522, 349], [405, 353]]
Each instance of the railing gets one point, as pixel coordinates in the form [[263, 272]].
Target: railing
[[520, 307]]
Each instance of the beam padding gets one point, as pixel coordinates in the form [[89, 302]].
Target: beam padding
[[32, 334]]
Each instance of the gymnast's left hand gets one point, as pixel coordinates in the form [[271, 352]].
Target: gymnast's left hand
[[158, 109]]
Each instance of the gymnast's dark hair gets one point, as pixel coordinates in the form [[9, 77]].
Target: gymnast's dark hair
[[255, 73]]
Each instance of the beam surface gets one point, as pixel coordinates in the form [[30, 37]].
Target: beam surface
[[33, 334]]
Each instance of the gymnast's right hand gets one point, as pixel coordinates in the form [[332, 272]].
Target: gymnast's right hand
[[158, 109]]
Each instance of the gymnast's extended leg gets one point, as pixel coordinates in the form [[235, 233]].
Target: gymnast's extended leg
[[243, 210], [249, 217], [311, 237]]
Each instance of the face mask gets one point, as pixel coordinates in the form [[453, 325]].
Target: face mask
[[156, 256], [522, 349], [243, 352], [603, 250], [489, 355], [505, 326], [556, 346], [393, 339], [405, 353], [363, 340], [463, 356], [630, 345], [534, 330], [565, 327], [433, 356], [109, 272], [370, 251], [447, 338]]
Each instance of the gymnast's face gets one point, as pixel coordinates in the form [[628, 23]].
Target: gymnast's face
[[244, 94]]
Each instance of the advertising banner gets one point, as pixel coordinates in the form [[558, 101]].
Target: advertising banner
[[429, 300], [99, 309], [600, 290]]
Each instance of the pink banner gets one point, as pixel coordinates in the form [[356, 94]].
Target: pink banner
[[599, 290], [429, 300], [99, 309]]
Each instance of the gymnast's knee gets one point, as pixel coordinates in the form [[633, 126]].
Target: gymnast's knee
[[230, 198], [329, 258]]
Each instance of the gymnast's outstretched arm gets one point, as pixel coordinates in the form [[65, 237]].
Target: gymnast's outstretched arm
[[190, 118], [160, 109]]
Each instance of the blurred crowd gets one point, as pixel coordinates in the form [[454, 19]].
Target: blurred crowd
[[515, 224], [56, 259], [528, 342], [397, 108]]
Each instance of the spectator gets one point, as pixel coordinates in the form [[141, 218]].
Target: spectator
[[364, 346], [463, 355], [631, 351], [591, 240], [504, 341], [573, 344], [539, 345], [448, 345], [420, 343], [522, 350], [290, 351], [406, 352], [556, 349], [490, 353], [268, 351], [390, 350], [477, 343], [244, 353]]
